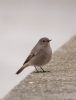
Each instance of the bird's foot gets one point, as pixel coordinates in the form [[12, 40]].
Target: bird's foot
[[41, 71]]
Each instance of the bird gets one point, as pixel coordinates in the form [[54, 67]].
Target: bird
[[39, 56]]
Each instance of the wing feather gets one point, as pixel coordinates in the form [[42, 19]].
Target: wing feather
[[28, 58], [33, 53]]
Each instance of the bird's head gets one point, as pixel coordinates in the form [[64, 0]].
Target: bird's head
[[44, 41]]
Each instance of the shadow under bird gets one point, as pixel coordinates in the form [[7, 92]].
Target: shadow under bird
[[40, 55]]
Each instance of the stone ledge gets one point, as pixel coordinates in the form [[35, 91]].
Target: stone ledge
[[58, 84]]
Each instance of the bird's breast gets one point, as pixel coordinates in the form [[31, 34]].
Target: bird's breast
[[43, 57]]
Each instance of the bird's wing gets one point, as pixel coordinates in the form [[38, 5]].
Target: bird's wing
[[33, 53], [28, 58]]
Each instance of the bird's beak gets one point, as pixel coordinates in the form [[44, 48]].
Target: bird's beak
[[50, 40]]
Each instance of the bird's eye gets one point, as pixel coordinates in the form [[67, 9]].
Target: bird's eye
[[43, 41]]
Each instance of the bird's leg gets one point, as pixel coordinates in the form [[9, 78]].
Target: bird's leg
[[42, 69], [36, 69]]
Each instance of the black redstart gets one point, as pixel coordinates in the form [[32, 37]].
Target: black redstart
[[40, 55]]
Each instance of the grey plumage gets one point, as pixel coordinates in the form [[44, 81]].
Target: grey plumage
[[39, 56]]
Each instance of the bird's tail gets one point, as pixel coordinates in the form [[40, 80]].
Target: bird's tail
[[22, 68]]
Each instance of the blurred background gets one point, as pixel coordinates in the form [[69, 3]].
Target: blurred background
[[22, 24]]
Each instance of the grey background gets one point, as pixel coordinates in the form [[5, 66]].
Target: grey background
[[22, 23]]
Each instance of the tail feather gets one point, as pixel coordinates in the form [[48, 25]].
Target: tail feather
[[21, 69]]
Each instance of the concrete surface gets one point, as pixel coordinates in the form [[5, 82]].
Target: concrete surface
[[58, 84]]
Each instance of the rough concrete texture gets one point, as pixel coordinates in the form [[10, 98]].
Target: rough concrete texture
[[58, 84]]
